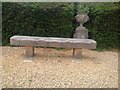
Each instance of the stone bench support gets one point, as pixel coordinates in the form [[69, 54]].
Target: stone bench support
[[77, 53], [29, 52]]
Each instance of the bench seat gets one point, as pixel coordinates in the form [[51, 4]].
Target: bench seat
[[32, 41]]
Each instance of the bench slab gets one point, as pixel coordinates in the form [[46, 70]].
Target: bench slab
[[53, 42]]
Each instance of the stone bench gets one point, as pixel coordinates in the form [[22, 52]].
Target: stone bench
[[31, 41]]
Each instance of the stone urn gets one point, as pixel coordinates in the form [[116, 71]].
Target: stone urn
[[81, 32]]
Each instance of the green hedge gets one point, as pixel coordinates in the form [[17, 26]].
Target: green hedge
[[31, 19], [104, 25], [56, 20]]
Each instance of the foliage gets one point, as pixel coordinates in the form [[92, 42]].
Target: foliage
[[56, 20], [103, 23], [36, 20]]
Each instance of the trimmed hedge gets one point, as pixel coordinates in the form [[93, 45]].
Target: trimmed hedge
[[104, 25], [56, 20], [22, 19]]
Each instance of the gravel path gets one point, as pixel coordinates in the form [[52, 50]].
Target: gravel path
[[57, 69], [0, 68]]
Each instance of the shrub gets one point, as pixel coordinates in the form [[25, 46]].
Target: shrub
[[31, 19]]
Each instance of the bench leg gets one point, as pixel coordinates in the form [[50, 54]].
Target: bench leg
[[29, 51], [77, 53]]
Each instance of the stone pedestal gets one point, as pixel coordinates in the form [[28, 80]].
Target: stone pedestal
[[29, 52], [80, 32]]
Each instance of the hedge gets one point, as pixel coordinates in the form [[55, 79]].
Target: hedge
[[56, 20]]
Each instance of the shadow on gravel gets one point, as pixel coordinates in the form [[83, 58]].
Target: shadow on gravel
[[59, 56]]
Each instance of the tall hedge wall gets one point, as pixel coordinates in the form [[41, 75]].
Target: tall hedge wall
[[104, 24], [36, 19], [56, 20]]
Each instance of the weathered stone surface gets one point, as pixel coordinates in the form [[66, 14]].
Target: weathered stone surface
[[29, 52], [81, 32], [77, 53], [30, 42], [53, 42], [82, 18]]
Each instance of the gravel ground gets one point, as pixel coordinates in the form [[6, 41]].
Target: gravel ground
[[0, 68], [53, 68]]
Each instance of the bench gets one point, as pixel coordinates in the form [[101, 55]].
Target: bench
[[31, 41]]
